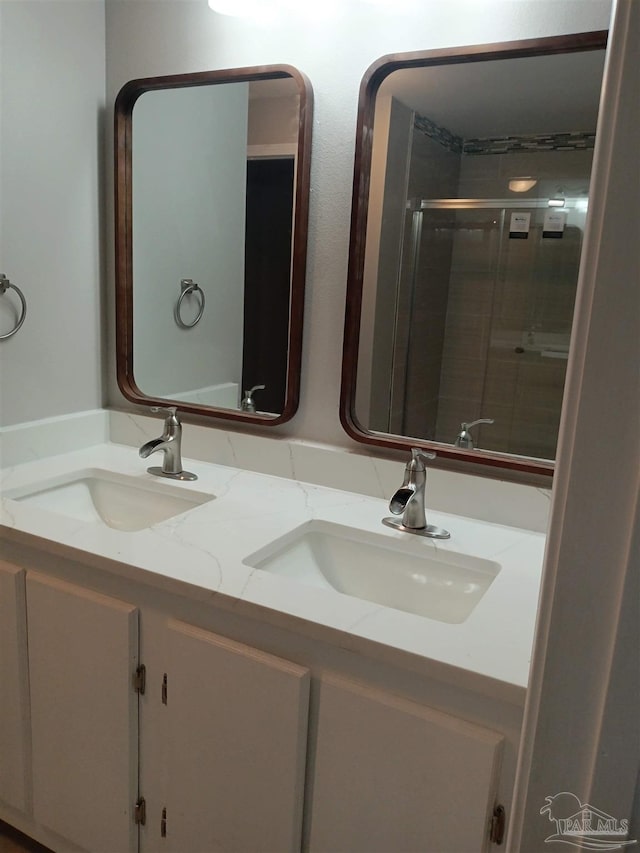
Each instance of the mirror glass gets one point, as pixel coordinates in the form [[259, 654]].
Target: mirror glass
[[470, 199], [213, 183]]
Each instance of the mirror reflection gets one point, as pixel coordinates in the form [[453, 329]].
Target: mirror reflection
[[217, 183], [478, 193]]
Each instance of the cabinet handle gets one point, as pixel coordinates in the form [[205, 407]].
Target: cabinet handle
[[140, 679], [163, 824], [498, 823], [140, 812]]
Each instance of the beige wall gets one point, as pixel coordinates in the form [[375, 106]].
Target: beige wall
[[273, 120]]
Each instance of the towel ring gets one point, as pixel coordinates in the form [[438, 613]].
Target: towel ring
[[5, 285], [188, 286]]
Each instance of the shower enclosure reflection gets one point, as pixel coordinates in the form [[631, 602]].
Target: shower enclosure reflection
[[478, 195], [497, 310]]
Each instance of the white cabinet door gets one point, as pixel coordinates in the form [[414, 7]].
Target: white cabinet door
[[82, 654], [236, 727], [392, 775], [14, 690]]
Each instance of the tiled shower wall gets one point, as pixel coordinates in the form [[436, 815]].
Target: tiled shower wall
[[521, 391]]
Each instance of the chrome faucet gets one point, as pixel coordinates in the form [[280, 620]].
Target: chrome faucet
[[170, 443], [409, 501], [464, 438]]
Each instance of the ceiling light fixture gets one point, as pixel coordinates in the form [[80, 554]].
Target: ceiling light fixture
[[522, 185]]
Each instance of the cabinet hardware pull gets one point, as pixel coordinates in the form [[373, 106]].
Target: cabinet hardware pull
[[497, 826], [140, 679], [140, 812], [164, 689]]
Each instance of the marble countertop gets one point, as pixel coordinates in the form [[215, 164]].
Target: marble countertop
[[202, 552]]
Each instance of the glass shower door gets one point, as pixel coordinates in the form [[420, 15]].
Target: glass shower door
[[486, 291], [531, 322]]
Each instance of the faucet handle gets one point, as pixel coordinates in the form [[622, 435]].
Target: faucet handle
[[170, 411], [172, 425], [416, 462], [416, 452], [465, 426]]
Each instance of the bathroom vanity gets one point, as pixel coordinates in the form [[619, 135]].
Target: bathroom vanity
[[198, 682]]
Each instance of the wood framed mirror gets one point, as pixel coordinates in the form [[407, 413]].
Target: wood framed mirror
[[212, 195], [470, 195]]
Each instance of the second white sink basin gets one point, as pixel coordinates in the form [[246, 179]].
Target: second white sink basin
[[410, 574], [120, 501]]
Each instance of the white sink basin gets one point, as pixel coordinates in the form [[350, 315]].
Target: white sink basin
[[408, 574], [120, 501]]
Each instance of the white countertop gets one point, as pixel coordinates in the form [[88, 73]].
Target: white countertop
[[205, 549]]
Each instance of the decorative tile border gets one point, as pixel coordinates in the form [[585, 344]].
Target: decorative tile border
[[577, 141], [439, 134], [570, 141]]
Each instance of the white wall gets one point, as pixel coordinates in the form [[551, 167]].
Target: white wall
[[333, 49], [52, 85], [195, 138]]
